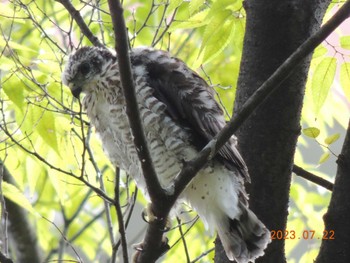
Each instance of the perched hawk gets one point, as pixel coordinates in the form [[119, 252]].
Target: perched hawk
[[180, 116]]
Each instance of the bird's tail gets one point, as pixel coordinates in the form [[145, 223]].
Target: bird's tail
[[243, 238]]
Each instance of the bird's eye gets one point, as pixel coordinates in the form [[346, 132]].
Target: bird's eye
[[84, 68]]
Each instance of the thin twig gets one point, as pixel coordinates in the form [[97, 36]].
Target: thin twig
[[183, 240], [312, 177], [203, 255], [33, 153], [99, 175], [167, 26], [128, 214], [64, 238], [86, 226], [120, 220]]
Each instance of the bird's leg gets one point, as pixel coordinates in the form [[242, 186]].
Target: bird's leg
[[148, 216]]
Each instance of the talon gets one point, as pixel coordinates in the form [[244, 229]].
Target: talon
[[138, 247], [167, 226], [164, 247], [148, 215]]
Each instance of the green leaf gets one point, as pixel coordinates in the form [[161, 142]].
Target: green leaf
[[320, 51], [224, 5], [15, 91], [6, 64], [195, 5], [311, 132], [316, 199], [345, 78], [46, 129], [173, 5], [332, 138], [321, 82], [16, 46], [324, 157], [217, 35], [345, 42], [195, 21], [12, 193], [45, 125]]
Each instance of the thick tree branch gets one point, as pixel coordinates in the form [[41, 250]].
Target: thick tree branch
[[312, 177], [80, 21], [4, 259], [24, 238], [335, 245], [154, 188], [152, 243]]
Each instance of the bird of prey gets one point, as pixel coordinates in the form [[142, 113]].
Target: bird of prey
[[180, 116]]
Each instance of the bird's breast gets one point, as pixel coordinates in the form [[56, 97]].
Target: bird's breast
[[168, 143]]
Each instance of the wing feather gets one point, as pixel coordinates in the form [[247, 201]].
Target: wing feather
[[190, 102]]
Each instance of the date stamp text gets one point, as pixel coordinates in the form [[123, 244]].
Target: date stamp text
[[305, 234]]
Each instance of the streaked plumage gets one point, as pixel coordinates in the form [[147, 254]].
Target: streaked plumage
[[180, 115]]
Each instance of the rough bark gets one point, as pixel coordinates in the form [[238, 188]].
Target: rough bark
[[267, 140], [23, 238], [336, 248]]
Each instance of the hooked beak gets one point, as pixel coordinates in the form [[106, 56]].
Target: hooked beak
[[75, 90]]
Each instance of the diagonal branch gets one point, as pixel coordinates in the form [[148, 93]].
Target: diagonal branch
[[80, 21], [312, 177]]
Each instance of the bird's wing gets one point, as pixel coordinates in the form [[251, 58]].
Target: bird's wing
[[190, 102]]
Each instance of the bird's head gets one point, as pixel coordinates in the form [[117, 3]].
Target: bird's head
[[84, 68]]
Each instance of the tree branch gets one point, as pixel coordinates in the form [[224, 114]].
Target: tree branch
[[154, 188], [21, 230], [121, 223], [336, 248], [312, 177], [4, 259], [152, 243], [80, 21]]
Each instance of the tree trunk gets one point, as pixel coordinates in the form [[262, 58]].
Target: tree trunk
[[335, 245], [22, 235], [267, 140]]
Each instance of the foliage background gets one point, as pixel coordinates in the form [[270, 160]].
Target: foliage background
[[58, 163]]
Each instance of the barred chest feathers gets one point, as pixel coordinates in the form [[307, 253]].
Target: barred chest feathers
[[167, 142]]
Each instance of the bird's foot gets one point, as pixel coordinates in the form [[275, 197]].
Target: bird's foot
[[149, 217], [164, 247]]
